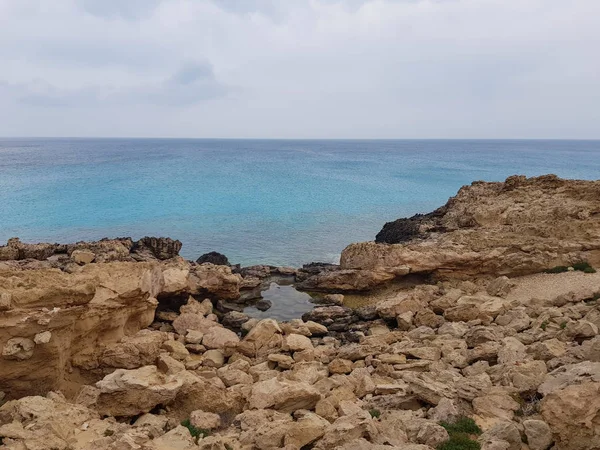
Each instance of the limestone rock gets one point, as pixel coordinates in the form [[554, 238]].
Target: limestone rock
[[572, 414], [539, 434], [284, 396], [485, 229], [18, 349], [205, 420], [264, 338], [83, 256], [132, 392], [218, 337]]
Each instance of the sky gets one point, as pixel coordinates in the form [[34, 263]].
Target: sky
[[300, 68]]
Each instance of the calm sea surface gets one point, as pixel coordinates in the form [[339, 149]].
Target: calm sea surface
[[271, 201]]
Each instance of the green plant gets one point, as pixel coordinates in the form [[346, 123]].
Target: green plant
[[375, 413], [195, 432], [462, 425], [459, 435], [459, 441], [563, 325], [584, 267], [544, 324]]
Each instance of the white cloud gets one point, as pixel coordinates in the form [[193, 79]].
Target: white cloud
[[307, 68]]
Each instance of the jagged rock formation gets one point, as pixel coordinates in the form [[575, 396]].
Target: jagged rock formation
[[105, 250], [516, 227], [214, 258], [55, 325]]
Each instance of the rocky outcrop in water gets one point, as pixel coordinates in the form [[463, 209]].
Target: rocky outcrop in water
[[516, 227], [213, 258], [105, 250]]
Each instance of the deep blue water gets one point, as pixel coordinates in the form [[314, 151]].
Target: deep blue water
[[257, 201]]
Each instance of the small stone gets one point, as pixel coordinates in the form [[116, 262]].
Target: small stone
[[42, 338], [213, 358], [340, 366], [18, 348], [194, 337], [297, 343], [83, 256], [205, 420], [177, 349], [539, 434], [5, 301], [283, 361]]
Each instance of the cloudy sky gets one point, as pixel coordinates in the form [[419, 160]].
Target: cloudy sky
[[300, 68]]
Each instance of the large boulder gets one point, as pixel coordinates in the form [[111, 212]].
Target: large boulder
[[283, 395], [131, 392], [573, 414]]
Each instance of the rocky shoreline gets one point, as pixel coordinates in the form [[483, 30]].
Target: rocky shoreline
[[465, 342]]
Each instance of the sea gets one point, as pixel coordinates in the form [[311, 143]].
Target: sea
[[279, 202]]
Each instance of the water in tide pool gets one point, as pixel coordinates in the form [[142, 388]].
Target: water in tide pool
[[257, 201]]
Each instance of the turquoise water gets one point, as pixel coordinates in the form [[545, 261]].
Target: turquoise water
[[275, 202]]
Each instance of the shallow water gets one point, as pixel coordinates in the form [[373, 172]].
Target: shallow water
[[287, 303], [257, 201]]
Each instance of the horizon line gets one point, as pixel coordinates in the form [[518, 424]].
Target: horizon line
[[300, 139]]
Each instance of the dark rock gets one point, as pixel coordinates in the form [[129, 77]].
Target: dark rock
[[406, 229], [259, 271], [216, 258], [234, 319], [368, 312], [225, 307], [263, 304], [161, 248], [335, 318]]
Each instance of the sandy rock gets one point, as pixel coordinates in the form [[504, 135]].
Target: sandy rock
[[205, 420], [503, 431], [232, 376], [264, 338], [179, 438], [5, 301], [135, 351], [511, 351], [42, 338], [572, 414], [539, 434], [349, 280], [570, 374], [347, 429], [283, 361], [499, 406], [83, 256], [213, 358], [194, 337], [168, 365], [218, 337], [190, 321], [132, 392], [428, 387], [308, 428], [296, 343], [500, 287], [340, 366], [445, 411], [487, 231], [176, 349], [284, 396], [18, 349], [546, 350]]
